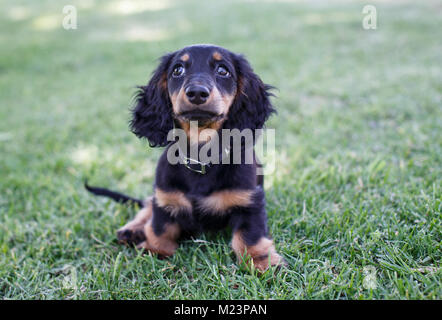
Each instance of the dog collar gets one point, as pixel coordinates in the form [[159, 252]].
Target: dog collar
[[195, 165], [199, 166]]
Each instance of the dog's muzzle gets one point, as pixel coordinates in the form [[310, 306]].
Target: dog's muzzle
[[197, 94]]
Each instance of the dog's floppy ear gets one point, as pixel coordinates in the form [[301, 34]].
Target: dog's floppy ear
[[152, 114], [251, 107]]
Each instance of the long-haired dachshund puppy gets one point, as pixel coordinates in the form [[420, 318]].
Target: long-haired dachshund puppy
[[217, 89]]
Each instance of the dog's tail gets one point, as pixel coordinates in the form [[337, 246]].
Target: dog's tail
[[119, 197]]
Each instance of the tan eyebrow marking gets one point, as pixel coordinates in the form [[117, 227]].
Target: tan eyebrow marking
[[217, 56], [185, 57]]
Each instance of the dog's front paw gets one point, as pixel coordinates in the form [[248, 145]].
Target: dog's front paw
[[131, 237], [163, 244], [162, 252], [262, 255], [264, 262]]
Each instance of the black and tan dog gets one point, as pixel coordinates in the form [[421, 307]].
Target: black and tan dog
[[219, 89]]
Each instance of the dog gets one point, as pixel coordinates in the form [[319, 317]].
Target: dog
[[217, 89]]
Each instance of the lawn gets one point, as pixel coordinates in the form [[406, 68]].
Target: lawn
[[354, 204]]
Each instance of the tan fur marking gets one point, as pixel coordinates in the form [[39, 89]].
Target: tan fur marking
[[177, 98], [206, 136], [217, 56], [185, 125], [223, 101], [144, 215], [213, 127], [221, 201], [259, 253], [223, 104], [163, 82], [241, 85], [185, 57], [172, 201], [164, 244], [228, 100]]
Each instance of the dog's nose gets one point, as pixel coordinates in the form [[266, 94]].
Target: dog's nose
[[197, 94]]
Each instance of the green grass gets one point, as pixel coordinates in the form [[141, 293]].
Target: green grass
[[354, 205]]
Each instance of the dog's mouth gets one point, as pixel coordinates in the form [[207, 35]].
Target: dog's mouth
[[202, 116]]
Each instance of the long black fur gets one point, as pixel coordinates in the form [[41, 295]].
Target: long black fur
[[152, 114], [252, 108], [152, 118]]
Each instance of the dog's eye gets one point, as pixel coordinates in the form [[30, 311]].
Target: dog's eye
[[178, 71], [222, 71]]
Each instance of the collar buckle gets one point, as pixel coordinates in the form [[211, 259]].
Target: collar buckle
[[190, 164]]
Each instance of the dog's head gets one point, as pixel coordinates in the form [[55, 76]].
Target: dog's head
[[203, 83]]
